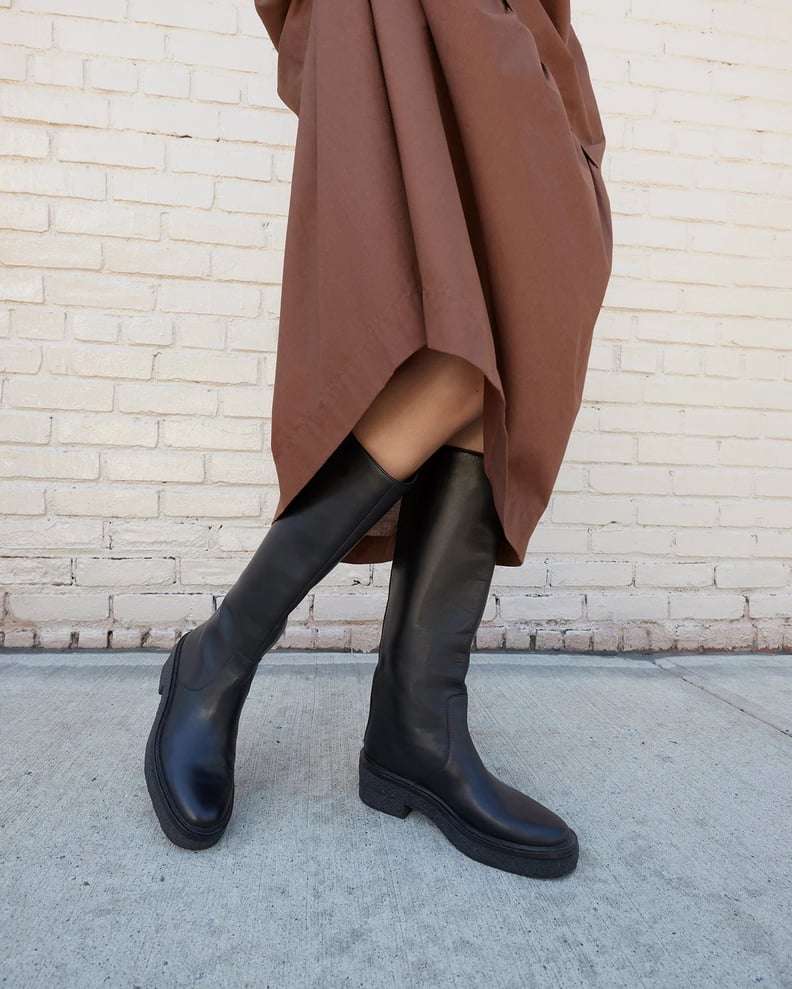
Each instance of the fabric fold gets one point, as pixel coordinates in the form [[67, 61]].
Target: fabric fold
[[447, 193]]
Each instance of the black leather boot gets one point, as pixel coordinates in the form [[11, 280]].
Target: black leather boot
[[417, 751], [189, 762]]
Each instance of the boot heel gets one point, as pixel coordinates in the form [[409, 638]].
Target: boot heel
[[381, 795]]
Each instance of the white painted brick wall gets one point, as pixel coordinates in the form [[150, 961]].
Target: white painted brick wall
[[145, 165]]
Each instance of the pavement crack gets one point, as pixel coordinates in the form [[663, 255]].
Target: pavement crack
[[736, 701]]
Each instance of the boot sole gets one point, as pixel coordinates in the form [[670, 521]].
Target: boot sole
[[171, 823], [394, 795]]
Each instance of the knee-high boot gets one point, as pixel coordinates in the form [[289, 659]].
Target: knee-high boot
[[189, 762], [417, 751]]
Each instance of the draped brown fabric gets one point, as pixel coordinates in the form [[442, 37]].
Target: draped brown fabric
[[446, 193]]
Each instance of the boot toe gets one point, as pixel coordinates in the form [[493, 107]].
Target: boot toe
[[203, 805], [199, 795]]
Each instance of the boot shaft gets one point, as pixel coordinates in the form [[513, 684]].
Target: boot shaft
[[446, 543]]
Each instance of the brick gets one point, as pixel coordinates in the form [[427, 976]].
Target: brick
[[349, 607], [167, 80], [129, 534], [18, 639], [114, 10], [180, 190], [533, 573], [541, 606], [51, 570], [592, 511], [771, 605], [590, 574], [205, 332], [13, 63], [124, 638], [22, 500], [162, 116], [673, 575], [578, 640], [20, 250], [50, 533], [163, 637], [98, 362], [213, 574], [625, 605], [156, 259], [549, 640], [202, 227], [98, 291], [124, 40], [214, 18], [210, 298], [22, 141], [774, 484], [247, 265], [214, 88], [106, 431], [676, 512], [164, 398], [245, 402], [210, 502], [113, 75], [712, 481], [330, 637], [211, 434], [713, 543], [80, 395], [238, 196], [631, 480], [38, 323], [104, 501], [350, 575], [51, 106], [155, 329], [239, 54], [108, 220], [623, 541], [58, 70], [159, 607], [20, 359], [21, 286], [24, 428], [19, 213], [43, 607], [195, 366], [121, 465], [94, 327], [364, 638], [27, 30], [704, 605], [110, 572], [224, 159], [752, 574], [92, 638], [130, 151], [53, 179]]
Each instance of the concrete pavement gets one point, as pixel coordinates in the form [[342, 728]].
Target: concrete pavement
[[675, 771]]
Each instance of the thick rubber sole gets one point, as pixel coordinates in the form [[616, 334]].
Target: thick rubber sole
[[175, 829], [394, 795]]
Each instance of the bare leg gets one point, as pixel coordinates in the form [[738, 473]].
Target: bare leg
[[470, 437], [430, 398]]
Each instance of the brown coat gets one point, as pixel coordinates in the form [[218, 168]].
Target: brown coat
[[446, 193]]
